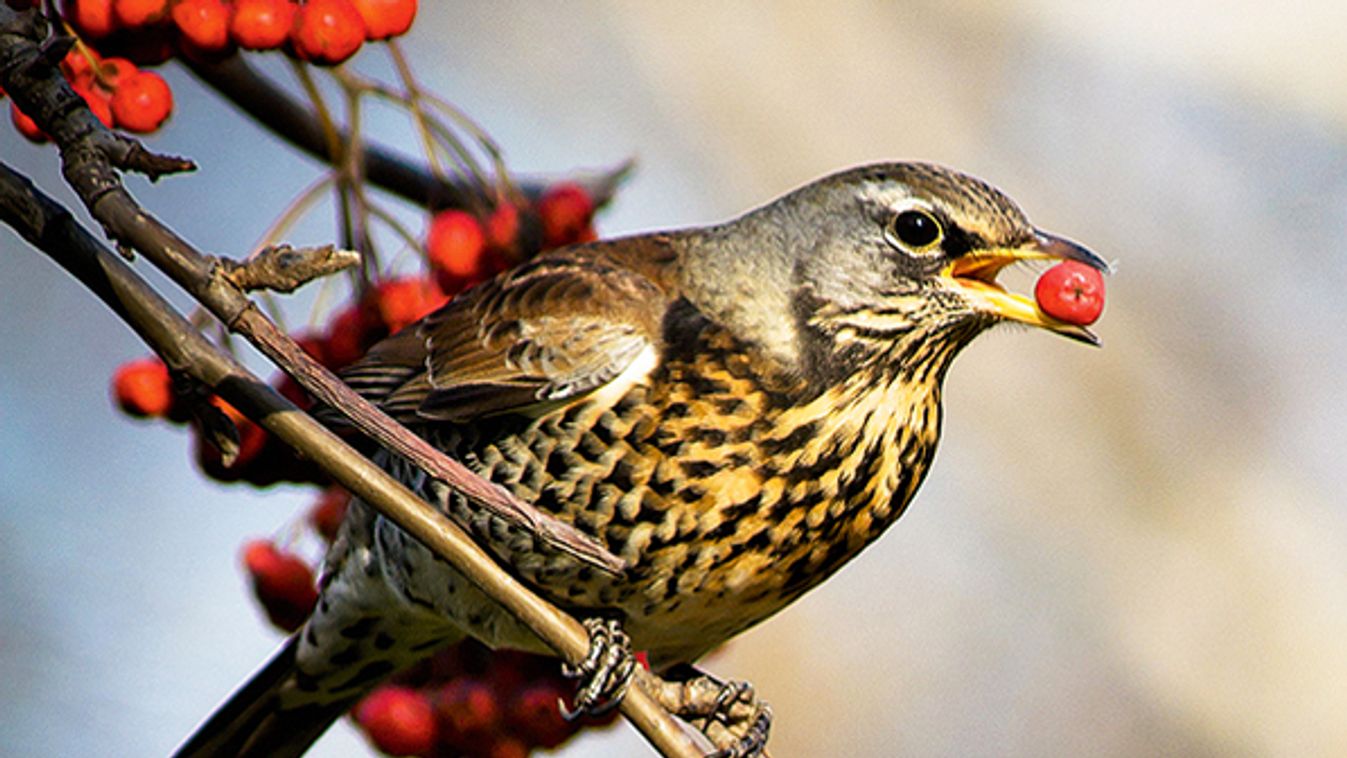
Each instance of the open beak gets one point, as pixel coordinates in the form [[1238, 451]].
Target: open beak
[[974, 275]]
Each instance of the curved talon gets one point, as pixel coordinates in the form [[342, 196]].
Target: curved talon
[[754, 739], [730, 713], [605, 673]]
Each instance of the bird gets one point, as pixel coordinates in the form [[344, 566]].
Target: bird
[[734, 410]]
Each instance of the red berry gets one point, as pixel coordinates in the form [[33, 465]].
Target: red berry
[[398, 720], [1071, 292], [283, 583], [142, 102], [203, 23], [403, 301], [252, 440], [327, 32], [26, 126], [502, 226], [566, 210], [351, 333], [326, 515], [468, 711], [132, 14], [98, 101], [92, 17], [386, 18], [455, 243], [111, 72], [143, 388], [79, 63], [262, 24], [505, 746], [534, 714]]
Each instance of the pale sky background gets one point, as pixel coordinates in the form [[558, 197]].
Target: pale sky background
[[1139, 550]]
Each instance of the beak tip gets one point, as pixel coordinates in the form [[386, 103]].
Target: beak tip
[[1061, 247]]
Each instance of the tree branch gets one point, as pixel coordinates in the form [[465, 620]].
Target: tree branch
[[89, 153], [275, 109], [52, 229]]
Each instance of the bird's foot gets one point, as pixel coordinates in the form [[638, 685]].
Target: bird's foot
[[730, 713], [605, 673]]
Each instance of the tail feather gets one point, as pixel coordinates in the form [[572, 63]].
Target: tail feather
[[252, 722]]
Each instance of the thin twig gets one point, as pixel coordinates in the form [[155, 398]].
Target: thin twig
[[281, 268], [54, 230], [260, 98]]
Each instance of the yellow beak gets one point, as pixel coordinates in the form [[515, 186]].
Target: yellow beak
[[974, 275]]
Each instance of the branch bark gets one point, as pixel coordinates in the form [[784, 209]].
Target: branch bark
[[52, 229], [89, 153]]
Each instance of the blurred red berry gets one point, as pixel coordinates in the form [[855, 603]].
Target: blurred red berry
[[502, 226], [398, 720], [400, 302], [142, 102], [111, 72], [327, 32], [203, 23], [252, 440], [283, 583], [326, 515], [534, 714], [505, 746], [566, 210], [350, 334], [468, 710], [386, 18], [455, 243], [132, 14], [143, 388], [26, 126], [78, 64], [98, 101], [262, 24], [93, 18], [1071, 292]]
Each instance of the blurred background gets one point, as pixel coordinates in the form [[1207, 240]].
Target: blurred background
[[1137, 550]]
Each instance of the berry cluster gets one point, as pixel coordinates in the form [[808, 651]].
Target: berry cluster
[[134, 33], [466, 700], [460, 251], [319, 31], [118, 93], [470, 701]]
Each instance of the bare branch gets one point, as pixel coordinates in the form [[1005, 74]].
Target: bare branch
[[54, 230], [281, 268], [272, 107], [89, 169]]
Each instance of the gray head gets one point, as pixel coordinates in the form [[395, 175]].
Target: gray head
[[871, 261]]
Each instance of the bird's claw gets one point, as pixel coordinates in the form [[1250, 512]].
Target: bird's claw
[[751, 735], [730, 713], [604, 674]]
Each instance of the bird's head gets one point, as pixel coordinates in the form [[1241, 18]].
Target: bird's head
[[911, 244], [874, 261], [902, 253]]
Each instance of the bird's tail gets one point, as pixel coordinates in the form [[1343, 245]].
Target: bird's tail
[[253, 723]]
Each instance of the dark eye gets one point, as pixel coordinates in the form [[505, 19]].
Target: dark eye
[[916, 230]]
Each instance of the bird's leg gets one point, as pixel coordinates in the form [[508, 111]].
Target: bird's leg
[[606, 671], [730, 713]]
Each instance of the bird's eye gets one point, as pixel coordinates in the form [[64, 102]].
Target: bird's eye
[[916, 230]]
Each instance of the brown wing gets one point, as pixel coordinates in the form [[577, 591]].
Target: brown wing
[[554, 329]]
